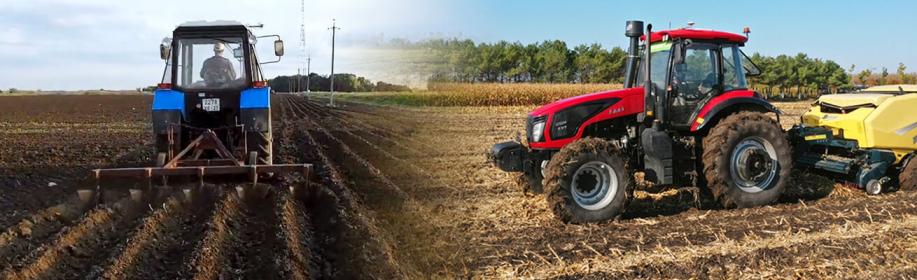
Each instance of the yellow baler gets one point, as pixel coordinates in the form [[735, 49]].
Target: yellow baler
[[867, 136]]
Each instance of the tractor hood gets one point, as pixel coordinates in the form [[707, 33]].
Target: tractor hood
[[854, 99], [586, 98]]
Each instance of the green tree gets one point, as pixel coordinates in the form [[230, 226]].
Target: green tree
[[902, 74], [555, 60], [884, 76]]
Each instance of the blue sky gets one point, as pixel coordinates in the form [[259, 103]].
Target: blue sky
[[113, 44], [91, 44], [870, 34]]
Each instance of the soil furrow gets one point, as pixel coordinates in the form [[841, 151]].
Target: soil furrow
[[210, 257], [156, 248], [73, 252]]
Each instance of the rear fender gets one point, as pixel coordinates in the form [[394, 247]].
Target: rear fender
[[729, 103], [255, 109], [168, 108], [168, 99]]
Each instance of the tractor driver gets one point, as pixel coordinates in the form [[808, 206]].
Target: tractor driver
[[218, 70]]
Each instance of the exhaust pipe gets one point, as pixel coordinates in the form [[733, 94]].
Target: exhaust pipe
[[648, 92], [633, 31]]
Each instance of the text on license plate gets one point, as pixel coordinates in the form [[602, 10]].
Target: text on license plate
[[210, 104]]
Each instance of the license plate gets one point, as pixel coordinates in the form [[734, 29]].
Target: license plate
[[210, 104]]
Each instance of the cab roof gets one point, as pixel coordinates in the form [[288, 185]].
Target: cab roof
[[699, 34], [207, 27], [205, 23]]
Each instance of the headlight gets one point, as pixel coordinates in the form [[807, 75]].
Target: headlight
[[538, 131]]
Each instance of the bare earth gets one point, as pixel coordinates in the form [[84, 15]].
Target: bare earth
[[400, 193]]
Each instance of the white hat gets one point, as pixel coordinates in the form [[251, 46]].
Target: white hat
[[218, 47]]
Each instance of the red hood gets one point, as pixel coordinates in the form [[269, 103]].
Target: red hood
[[576, 100]]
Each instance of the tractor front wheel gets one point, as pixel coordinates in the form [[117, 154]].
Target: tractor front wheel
[[908, 176], [532, 180], [747, 160], [587, 181]]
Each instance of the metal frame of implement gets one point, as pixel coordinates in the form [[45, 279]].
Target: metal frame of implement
[[226, 164]]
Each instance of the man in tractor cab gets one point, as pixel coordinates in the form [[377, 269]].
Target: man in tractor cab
[[218, 70]]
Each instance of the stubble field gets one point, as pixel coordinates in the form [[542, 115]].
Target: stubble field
[[400, 192]]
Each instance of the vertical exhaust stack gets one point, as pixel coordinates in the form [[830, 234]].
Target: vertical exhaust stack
[[648, 91], [633, 31]]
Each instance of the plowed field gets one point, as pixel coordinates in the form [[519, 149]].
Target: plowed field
[[398, 193]]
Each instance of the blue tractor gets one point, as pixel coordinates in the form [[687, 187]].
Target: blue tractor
[[211, 113]]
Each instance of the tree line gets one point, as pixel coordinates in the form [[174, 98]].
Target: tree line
[[343, 82], [553, 61]]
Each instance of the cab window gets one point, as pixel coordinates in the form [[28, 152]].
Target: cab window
[[696, 77], [693, 79], [733, 74], [659, 57]]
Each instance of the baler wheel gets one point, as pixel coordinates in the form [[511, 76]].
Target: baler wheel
[[908, 176], [747, 160]]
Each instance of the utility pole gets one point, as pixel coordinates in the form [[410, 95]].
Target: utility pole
[[334, 30], [296, 82], [302, 43], [308, 72]]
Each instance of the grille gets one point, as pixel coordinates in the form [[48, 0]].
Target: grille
[[832, 109]]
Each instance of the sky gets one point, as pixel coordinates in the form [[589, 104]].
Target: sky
[[113, 44], [870, 34]]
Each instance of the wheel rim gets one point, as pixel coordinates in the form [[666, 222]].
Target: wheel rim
[[753, 165], [544, 166], [594, 185]]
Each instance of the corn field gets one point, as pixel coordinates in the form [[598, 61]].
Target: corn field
[[484, 94]]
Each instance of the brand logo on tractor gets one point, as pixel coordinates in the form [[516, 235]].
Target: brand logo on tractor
[[616, 110]]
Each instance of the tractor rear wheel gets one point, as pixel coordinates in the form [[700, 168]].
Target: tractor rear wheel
[[162, 148], [587, 181], [747, 160], [908, 176], [261, 142]]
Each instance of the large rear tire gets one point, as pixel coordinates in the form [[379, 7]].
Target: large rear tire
[[162, 148], [908, 176], [261, 142], [747, 160], [587, 181]]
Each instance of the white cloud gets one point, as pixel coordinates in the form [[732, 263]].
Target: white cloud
[[63, 44]]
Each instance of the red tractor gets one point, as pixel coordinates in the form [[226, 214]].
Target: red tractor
[[685, 118]]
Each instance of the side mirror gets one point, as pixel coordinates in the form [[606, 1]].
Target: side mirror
[[238, 53], [165, 48], [278, 47]]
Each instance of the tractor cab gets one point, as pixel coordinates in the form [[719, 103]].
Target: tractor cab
[[213, 56], [689, 68]]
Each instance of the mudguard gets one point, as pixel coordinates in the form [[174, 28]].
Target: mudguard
[[255, 98], [168, 99], [255, 109], [168, 108], [711, 111]]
